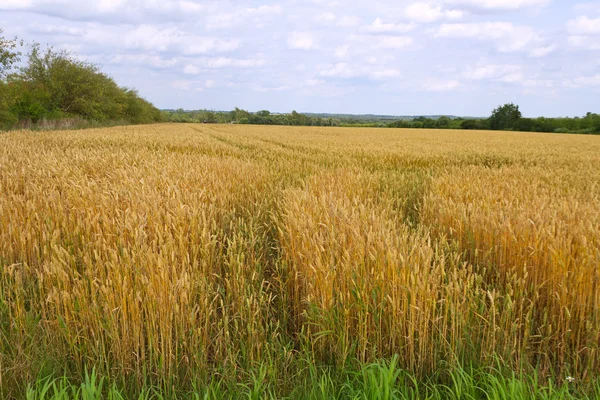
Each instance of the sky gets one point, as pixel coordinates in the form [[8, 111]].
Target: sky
[[453, 57]]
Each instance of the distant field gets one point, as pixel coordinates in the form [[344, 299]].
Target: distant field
[[168, 255]]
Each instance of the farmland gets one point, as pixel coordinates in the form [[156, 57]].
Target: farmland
[[273, 259]]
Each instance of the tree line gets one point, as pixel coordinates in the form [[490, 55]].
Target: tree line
[[506, 117], [239, 116], [509, 117], [51, 85]]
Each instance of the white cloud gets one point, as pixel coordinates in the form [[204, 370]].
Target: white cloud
[[584, 26], [301, 40], [340, 70], [138, 11], [58, 30], [147, 60], [540, 52], [265, 89], [151, 38], [514, 77], [236, 17], [498, 5], [349, 21], [393, 42], [315, 82], [225, 62], [341, 51], [347, 71], [506, 73], [221, 62], [584, 81], [182, 85], [426, 12], [584, 32], [325, 17], [591, 6], [507, 36], [442, 86], [491, 71], [378, 26], [191, 70], [584, 42], [385, 73]]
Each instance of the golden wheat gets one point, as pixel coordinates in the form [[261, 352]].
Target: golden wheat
[[162, 252]]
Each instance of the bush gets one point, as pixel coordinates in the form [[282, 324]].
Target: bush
[[54, 85]]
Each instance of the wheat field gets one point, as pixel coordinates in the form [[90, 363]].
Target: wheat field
[[166, 254]]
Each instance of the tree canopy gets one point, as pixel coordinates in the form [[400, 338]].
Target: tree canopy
[[55, 85], [9, 54], [504, 117]]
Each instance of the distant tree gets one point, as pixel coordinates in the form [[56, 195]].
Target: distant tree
[[477, 124], [505, 117], [443, 122], [524, 125], [295, 118]]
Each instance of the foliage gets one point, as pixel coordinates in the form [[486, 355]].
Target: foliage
[[587, 124], [55, 85], [239, 116], [380, 380], [9, 55], [504, 117]]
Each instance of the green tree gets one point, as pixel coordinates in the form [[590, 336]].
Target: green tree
[[9, 54], [443, 122], [56, 84], [505, 117]]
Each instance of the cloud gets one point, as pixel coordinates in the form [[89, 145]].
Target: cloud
[[225, 62], [584, 25], [491, 71], [584, 81], [150, 38], [265, 89], [328, 18], [191, 70], [325, 17], [584, 32], [347, 71], [146, 60], [342, 51], [506, 73], [584, 42], [133, 11], [378, 26], [301, 40], [236, 17], [315, 82], [497, 5], [393, 42], [426, 12], [442, 86], [507, 36], [540, 52], [57, 30], [349, 21]]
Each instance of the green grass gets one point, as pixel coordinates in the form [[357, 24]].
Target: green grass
[[382, 380]]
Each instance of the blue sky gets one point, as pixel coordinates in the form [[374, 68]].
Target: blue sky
[[461, 57]]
